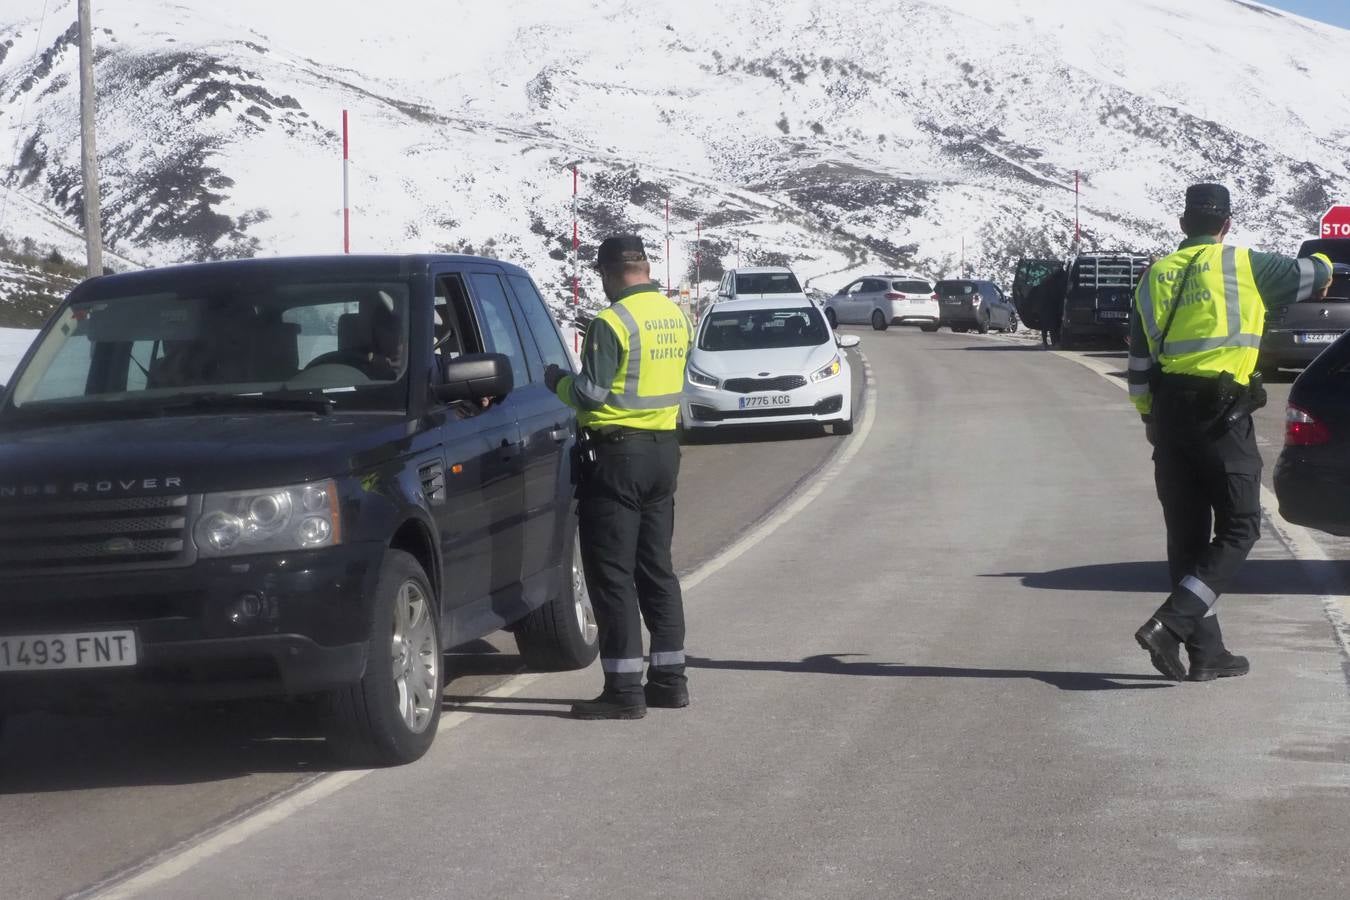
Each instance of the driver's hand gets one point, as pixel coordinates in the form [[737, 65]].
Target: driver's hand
[[553, 374]]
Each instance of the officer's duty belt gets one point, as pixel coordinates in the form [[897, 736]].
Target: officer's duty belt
[[617, 434]]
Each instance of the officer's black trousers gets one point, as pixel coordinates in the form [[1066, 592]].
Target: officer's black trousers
[[1209, 482], [627, 519]]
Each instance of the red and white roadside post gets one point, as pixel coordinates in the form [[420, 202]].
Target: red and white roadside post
[[346, 205], [1336, 223], [667, 246]]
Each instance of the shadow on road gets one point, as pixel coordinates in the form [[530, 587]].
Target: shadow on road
[[997, 348], [43, 752], [197, 744], [836, 664], [1257, 576], [510, 706]]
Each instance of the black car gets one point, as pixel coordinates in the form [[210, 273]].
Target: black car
[[1098, 298], [1312, 476], [1298, 332], [965, 304], [287, 477]]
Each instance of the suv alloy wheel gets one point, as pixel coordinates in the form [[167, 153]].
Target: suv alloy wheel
[[562, 634], [390, 715]]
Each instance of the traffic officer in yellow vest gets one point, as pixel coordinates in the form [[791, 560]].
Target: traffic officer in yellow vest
[[627, 399], [1195, 334]]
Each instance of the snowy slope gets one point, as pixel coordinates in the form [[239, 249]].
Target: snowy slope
[[13, 345], [833, 136]]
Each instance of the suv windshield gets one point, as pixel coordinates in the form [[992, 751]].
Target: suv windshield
[[954, 288], [230, 344], [767, 283], [762, 329], [912, 287]]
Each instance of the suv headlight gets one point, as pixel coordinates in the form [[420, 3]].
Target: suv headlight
[[272, 520], [700, 378], [828, 371]]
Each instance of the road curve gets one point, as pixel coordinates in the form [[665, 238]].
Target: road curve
[[103, 794], [924, 684]]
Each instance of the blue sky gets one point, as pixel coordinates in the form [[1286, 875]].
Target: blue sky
[[1337, 12]]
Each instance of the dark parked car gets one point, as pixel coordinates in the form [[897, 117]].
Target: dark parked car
[[287, 477], [980, 305], [1297, 333], [1099, 296], [1312, 476]]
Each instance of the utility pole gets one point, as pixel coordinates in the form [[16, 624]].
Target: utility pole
[[93, 228], [346, 198]]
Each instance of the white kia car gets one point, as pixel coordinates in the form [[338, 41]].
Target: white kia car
[[885, 300], [773, 360]]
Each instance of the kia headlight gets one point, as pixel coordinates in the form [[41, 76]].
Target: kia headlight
[[700, 378], [273, 520], [828, 371]]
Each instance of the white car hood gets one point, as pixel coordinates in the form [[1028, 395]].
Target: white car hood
[[755, 363]]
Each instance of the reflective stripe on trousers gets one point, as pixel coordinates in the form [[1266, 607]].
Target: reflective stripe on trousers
[[668, 658]]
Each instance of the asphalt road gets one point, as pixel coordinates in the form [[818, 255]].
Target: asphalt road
[[84, 798], [917, 678]]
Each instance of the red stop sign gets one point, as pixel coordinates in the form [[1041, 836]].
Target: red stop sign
[[1336, 223]]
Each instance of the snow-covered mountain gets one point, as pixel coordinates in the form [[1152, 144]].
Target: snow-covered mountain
[[836, 136]]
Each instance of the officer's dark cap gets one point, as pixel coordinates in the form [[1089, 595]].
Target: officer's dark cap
[[1208, 199], [620, 249]]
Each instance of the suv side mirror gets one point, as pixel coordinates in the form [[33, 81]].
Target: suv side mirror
[[846, 341], [474, 377]]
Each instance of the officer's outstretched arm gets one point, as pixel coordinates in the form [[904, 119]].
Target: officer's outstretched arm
[[599, 364], [1283, 280]]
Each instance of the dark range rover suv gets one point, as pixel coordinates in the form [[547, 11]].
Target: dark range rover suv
[[287, 477]]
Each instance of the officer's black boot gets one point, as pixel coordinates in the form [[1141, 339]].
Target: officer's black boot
[[666, 688], [621, 699], [1210, 659], [1163, 647]]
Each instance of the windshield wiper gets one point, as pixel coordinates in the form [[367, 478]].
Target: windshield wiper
[[278, 400]]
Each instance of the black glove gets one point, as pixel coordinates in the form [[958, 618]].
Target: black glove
[[553, 374]]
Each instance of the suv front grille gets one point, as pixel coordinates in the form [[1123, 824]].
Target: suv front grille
[[752, 385], [95, 535]]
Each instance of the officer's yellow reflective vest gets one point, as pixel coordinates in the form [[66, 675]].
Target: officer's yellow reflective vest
[[1219, 319], [654, 339]]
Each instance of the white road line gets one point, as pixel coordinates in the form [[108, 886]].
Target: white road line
[[179, 859], [1297, 539], [803, 499]]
